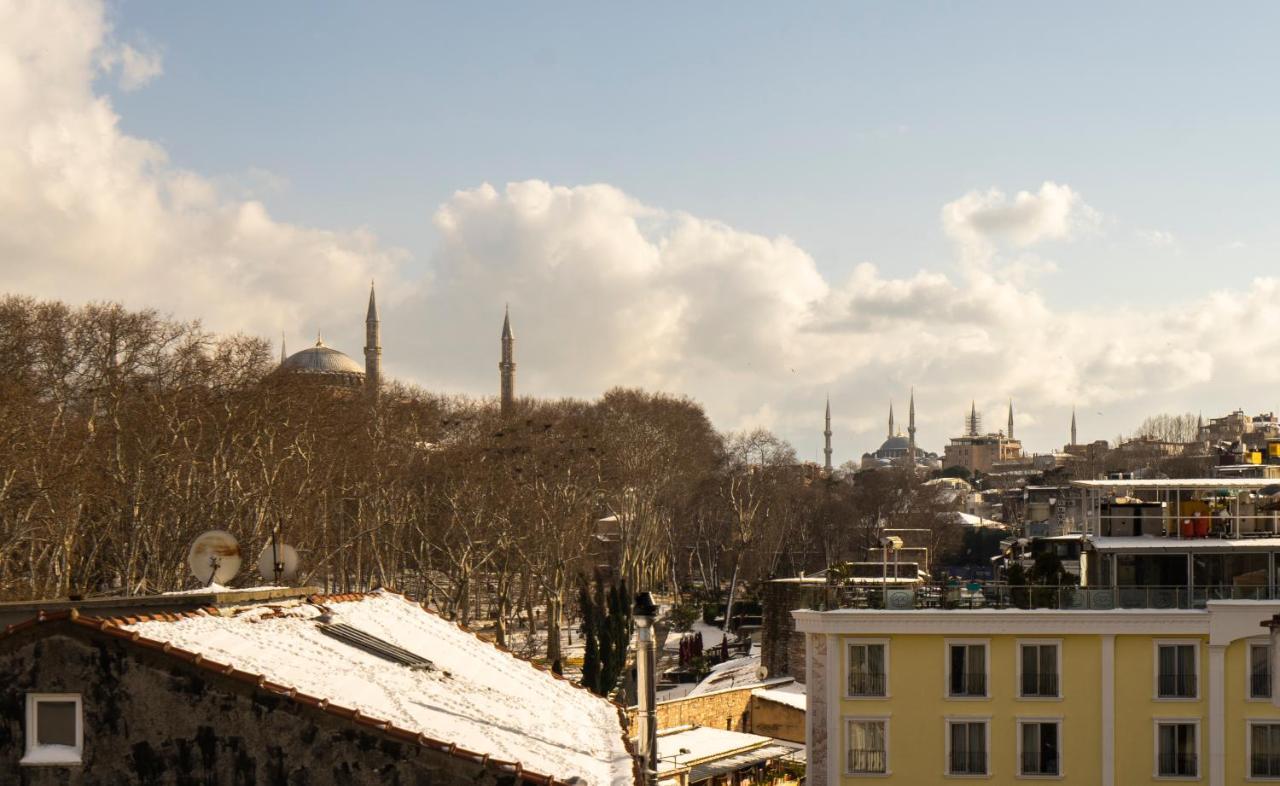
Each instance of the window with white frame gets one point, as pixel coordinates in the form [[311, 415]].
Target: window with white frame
[[54, 729], [1264, 750], [1176, 750], [1038, 742], [867, 672], [1176, 670], [1038, 666], [966, 747], [866, 743], [1259, 670], [967, 669]]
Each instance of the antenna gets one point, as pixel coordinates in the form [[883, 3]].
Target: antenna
[[278, 561], [214, 557]]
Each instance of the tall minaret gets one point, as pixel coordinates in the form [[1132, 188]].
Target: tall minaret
[[911, 429], [1010, 418], [826, 433], [890, 420], [507, 366], [1073, 426], [372, 346], [283, 352]]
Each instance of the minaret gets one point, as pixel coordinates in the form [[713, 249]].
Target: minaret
[[283, 352], [372, 346], [1073, 426], [911, 430], [507, 366], [973, 419], [1010, 418], [890, 420], [826, 433]]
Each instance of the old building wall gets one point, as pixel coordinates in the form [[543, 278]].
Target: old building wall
[[780, 721], [781, 648], [149, 719]]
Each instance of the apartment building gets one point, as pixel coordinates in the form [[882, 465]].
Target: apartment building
[[1116, 697]]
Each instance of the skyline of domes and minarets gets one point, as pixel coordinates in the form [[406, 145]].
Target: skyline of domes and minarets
[[334, 367]]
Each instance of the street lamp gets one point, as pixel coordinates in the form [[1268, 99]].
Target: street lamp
[[645, 610]]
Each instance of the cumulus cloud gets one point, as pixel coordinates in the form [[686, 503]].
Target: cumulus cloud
[[604, 289], [136, 67]]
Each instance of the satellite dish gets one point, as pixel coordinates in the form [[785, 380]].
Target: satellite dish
[[214, 557], [278, 561], [762, 673]]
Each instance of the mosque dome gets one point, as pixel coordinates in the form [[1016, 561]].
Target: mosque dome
[[325, 363], [892, 444]]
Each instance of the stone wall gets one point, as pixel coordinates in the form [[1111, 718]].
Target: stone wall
[[150, 719], [780, 721], [730, 709], [781, 648]]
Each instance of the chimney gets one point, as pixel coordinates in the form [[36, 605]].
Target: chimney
[[646, 687]]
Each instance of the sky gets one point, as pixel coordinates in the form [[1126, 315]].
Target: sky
[[754, 205]]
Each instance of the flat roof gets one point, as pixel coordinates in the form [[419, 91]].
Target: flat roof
[[1172, 484], [1182, 545]]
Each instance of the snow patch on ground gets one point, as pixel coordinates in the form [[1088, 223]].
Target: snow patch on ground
[[477, 696]]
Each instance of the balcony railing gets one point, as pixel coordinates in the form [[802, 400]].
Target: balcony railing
[[1177, 764], [1039, 763], [868, 760], [1260, 685], [968, 762], [969, 683], [1177, 686], [1264, 765], [1039, 684], [999, 595], [866, 684]]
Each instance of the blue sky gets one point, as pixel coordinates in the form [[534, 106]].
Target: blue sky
[[756, 205]]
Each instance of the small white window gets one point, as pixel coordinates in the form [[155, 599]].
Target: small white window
[[867, 746], [967, 747], [1038, 743], [55, 729], [1038, 670], [1259, 671], [1176, 671], [867, 670], [967, 669]]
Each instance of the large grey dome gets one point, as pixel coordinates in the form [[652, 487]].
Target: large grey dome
[[323, 364], [895, 443]]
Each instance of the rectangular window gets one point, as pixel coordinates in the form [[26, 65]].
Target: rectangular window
[[967, 743], [1264, 750], [867, 670], [1039, 671], [1176, 750], [1176, 677], [1259, 671], [54, 729], [1039, 745], [967, 664], [866, 744]]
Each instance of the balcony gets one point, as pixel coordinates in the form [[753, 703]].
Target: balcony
[[1000, 595], [969, 684], [1260, 685], [867, 760], [1262, 765], [968, 763], [1177, 764], [866, 685], [1039, 685], [1176, 686], [1039, 763]]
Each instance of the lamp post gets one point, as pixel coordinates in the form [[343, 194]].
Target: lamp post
[[645, 610]]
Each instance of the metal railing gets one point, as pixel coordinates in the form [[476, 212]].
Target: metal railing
[[1034, 684], [1039, 763], [1260, 685], [1177, 764], [968, 762], [969, 683], [866, 684], [1176, 686], [1264, 765], [867, 760], [999, 595]]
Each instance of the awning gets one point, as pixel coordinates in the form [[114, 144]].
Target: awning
[[738, 761]]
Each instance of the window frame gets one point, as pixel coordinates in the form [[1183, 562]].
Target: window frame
[[38, 755], [1056, 720], [1249, 723], [947, 722], [1018, 645], [986, 669], [848, 720], [848, 661], [1156, 723], [1249, 644], [1194, 643]]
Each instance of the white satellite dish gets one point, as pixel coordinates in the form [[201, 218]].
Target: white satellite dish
[[278, 561], [214, 557]]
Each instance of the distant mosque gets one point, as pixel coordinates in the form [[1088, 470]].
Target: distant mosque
[[896, 451], [332, 368]]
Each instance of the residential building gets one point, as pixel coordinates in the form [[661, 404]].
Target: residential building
[[1115, 698]]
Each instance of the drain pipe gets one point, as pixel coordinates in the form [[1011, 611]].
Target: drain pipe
[[646, 687]]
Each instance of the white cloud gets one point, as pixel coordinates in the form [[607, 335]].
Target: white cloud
[[137, 68], [605, 290], [1157, 237]]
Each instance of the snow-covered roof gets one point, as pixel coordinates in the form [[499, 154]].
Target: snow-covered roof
[[474, 696], [792, 694], [699, 743], [734, 673]]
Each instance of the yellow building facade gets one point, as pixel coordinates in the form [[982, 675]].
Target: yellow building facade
[[1115, 698]]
